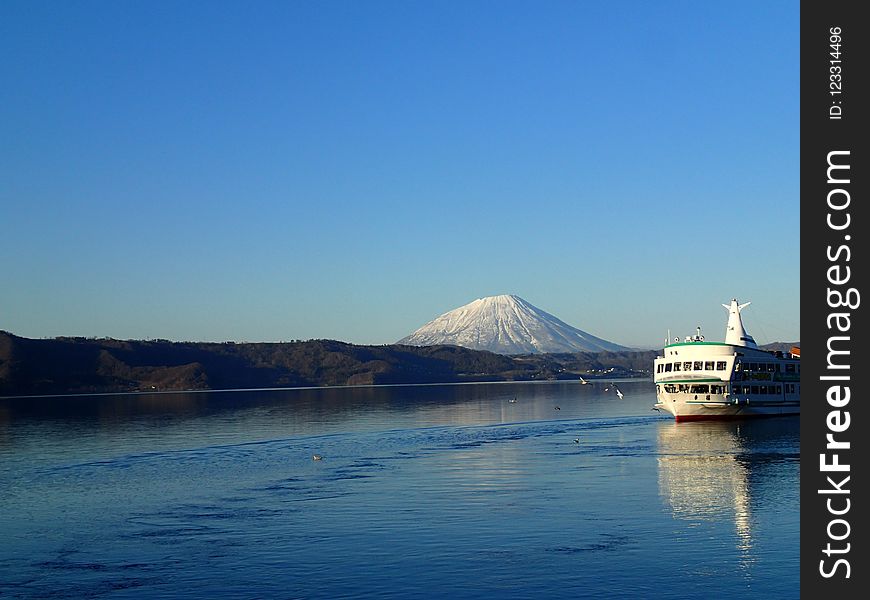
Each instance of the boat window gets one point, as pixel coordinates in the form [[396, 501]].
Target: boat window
[[752, 367], [668, 368], [687, 366], [770, 367], [779, 389], [677, 366], [698, 365], [754, 389], [717, 389], [708, 365], [720, 365], [789, 368], [659, 368], [762, 389], [670, 389], [684, 388], [776, 367]]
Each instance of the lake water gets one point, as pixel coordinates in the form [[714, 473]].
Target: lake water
[[423, 491]]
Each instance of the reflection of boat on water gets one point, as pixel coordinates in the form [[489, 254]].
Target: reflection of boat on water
[[700, 476], [696, 379], [722, 471], [702, 479]]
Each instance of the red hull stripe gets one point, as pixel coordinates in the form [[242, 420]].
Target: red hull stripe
[[683, 418]]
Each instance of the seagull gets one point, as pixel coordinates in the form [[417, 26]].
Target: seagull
[[512, 401], [576, 440], [557, 408], [620, 394], [317, 457], [607, 389], [583, 381]]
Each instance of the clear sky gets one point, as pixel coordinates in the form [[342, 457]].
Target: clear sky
[[350, 170]]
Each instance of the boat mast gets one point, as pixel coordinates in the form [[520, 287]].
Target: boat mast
[[735, 333]]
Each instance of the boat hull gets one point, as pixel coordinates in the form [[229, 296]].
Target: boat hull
[[722, 411]]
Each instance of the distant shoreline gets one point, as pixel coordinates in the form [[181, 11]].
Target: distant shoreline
[[74, 367], [328, 387]]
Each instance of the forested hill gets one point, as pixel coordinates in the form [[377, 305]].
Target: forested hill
[[86, 365]]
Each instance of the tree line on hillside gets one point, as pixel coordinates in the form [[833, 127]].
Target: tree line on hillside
[[85, 365]]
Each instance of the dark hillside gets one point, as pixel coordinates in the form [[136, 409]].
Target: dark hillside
[[80, 365], [86, 365]]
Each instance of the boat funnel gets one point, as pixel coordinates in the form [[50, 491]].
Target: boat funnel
[[735, 333]]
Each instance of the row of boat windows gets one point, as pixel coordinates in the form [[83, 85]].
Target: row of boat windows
[[696, 388], [721, 365], [703, 388], [692, 366], [767, 367]]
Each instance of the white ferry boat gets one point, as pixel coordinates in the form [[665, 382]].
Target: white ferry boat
[[696, 379]]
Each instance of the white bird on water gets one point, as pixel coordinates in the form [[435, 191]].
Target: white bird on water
[[317, 457], [619, 393]]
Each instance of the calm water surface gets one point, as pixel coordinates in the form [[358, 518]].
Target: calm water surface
[[462, 491]]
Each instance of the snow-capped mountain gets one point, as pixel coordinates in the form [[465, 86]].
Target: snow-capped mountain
[[508, 325]]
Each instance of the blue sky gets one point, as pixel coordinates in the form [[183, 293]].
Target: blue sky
[[350, 170]]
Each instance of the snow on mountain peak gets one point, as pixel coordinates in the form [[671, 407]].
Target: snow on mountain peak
[[506, 324]]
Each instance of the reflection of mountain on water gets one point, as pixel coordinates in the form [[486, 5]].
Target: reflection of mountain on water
[[723, 470]]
